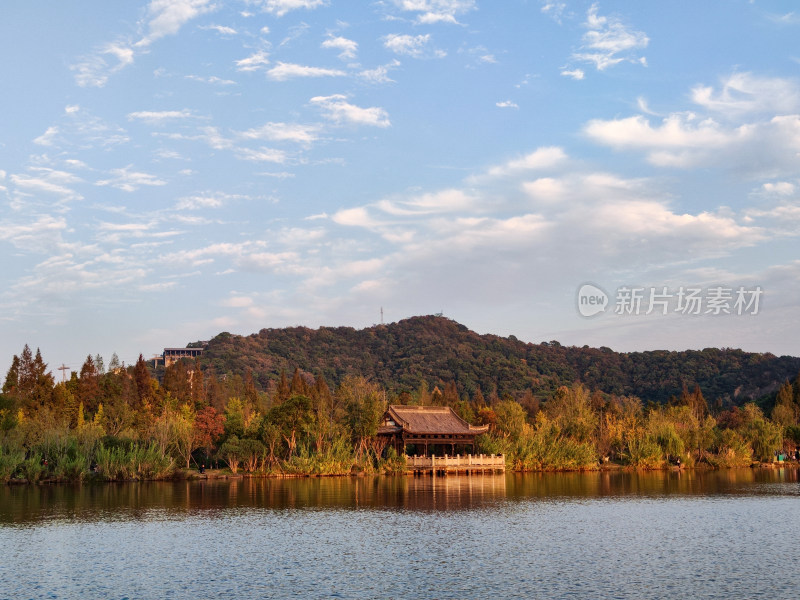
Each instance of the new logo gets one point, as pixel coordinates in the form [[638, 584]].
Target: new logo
[[591, 300]]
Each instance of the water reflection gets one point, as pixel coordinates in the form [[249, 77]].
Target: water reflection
[[164, 500], [651, 483]]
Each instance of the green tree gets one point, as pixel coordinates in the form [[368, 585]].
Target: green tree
[[292, 418], [571, 410], [364, 407], [510, 419], [785, 411], [764, 436]]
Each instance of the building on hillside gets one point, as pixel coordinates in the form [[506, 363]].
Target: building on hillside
[[172, 355], [424, 430]]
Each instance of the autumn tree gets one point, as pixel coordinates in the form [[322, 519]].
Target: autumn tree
[[209, 426], [144, 390], [176, 381], [11, 383], [89, 392]]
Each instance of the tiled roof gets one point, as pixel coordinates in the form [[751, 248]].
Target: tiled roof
[[431, 419]]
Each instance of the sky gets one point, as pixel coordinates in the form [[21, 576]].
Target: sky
[[620, 174]]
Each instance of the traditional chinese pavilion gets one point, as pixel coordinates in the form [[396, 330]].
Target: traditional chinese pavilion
[[435, 430]]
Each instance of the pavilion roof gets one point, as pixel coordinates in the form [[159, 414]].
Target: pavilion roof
[[431, 419]]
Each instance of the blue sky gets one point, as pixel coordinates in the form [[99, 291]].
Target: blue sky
[[176, 168]]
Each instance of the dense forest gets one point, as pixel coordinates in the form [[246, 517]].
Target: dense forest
[[439, 351], [301, 401]]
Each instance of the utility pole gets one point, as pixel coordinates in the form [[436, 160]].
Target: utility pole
[[63, 368], [381, 315]]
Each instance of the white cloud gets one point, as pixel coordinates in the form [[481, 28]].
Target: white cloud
[[554, 10], [507, 104], [576, 74], [48, 137], [347, 48], [45, 181], [546, 189], [354, 217], [238, 302], [780, 188], [283, 71], [207, 200], [158, 287], [214, 138], [155, 117], [380, 74], [608, 41], [166, 17], [415, 46], [255, 62], [94, 70], [283, 132], [446, 201], [212, 79], [33, 236], [129, 181], [546, 157], [339, 110], [743, 93], [262, 155], [281, 7], [436, 11], [209, 135], [221, 29], [686, 141]]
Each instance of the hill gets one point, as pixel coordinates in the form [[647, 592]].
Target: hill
[[438, 350]]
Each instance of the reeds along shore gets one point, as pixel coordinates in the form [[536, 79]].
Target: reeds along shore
[[124, 424]]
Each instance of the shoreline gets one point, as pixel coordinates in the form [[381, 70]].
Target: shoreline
[[224, 474]]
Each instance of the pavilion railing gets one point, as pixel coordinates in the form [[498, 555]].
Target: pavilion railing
[[487, 461]]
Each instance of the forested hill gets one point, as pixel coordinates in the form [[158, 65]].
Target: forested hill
[[438, 350]]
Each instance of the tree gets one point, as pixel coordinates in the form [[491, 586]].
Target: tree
[[510, 419], [291, 417], [364, 408], [232, 452], [322, 405], [784, 413], [571, 410], [141, 376], [197, 387], [114, 364], [250, 391], [234, 417], [214, 395], [764, 436], [282, 391], [89, 385], [450, 394], [11, 382], [209, 426], [177, 382], [298, 387], [183, 438]]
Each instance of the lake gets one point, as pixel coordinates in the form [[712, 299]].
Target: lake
[[716, 534]]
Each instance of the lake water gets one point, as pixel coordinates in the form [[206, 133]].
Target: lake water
[[720, 534]]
